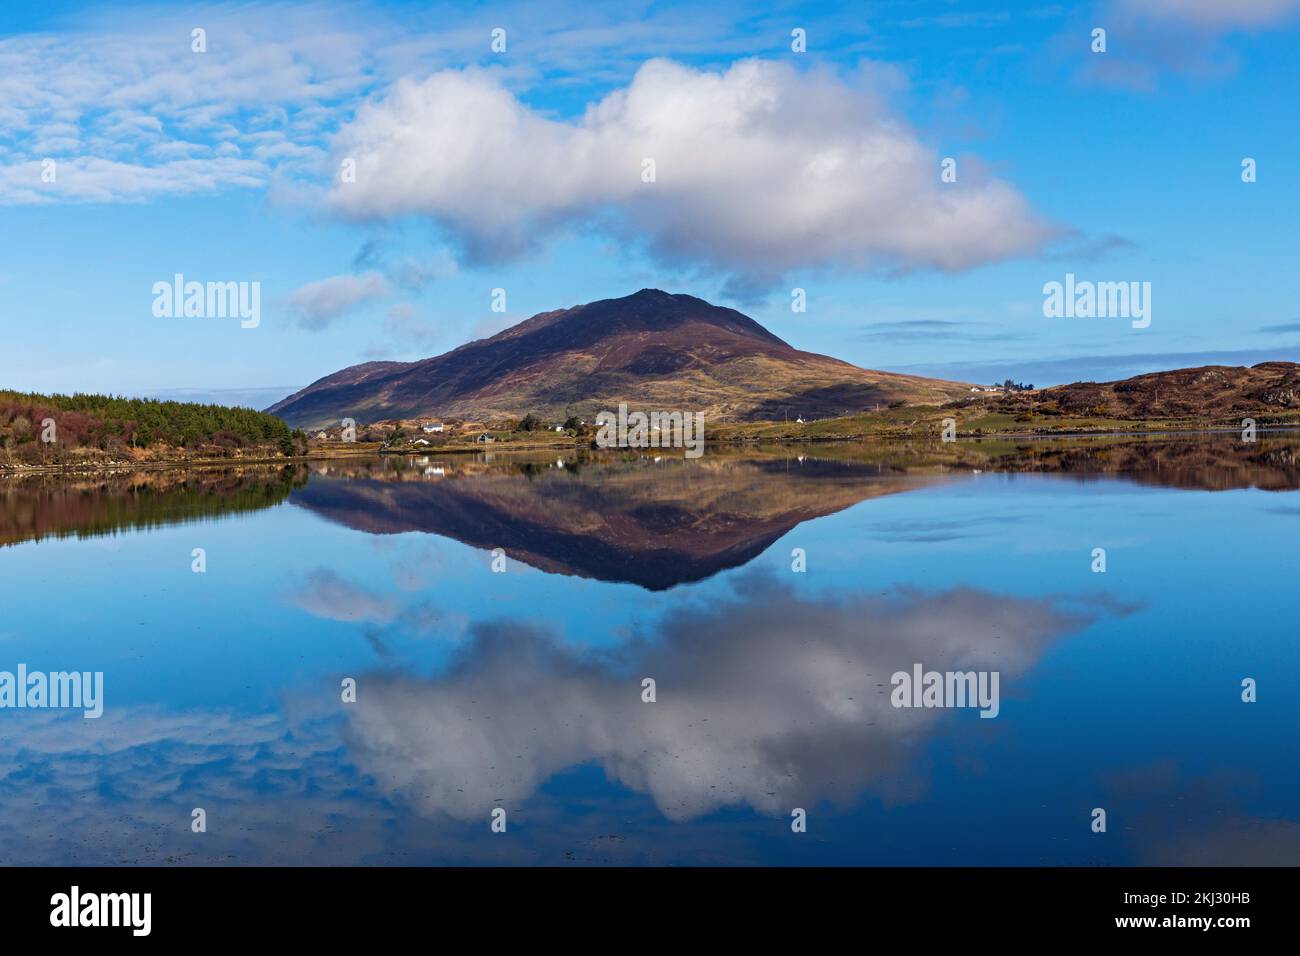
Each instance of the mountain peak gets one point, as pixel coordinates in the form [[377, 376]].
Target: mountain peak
[[659, 312], [652, 348]]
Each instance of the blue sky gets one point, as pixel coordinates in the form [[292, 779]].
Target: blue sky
[[520, 170]]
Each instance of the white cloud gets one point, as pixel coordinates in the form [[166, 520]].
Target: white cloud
[[321, 302], [760, 169]]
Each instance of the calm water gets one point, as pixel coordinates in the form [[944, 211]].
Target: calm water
[[522, 690]]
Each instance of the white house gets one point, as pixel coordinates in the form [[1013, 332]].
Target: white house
[[431, 427]]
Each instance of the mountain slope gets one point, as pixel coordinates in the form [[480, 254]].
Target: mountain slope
[[652, 350], [1208, 392]]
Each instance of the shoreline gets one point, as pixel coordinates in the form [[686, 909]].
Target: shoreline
[[374, 450], [161, 464]]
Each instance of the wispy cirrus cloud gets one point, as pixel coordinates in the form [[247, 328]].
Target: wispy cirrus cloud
[[932, 330]]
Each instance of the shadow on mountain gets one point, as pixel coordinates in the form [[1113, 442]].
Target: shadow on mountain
[[830, 401]]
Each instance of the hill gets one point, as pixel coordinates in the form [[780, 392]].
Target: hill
[[1208, 392], [652, 350], [101, 427]]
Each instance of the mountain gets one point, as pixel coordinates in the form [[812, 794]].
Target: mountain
[[653, 350], [1208, 392]]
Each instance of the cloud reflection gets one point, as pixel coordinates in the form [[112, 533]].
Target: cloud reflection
[[769, 700]]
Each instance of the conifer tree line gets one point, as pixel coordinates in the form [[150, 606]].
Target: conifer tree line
[[113, 423]]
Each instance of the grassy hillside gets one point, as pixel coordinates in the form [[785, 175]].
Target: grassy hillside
[[1209, 391], [977, 419]]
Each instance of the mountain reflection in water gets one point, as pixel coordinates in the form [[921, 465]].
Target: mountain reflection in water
[[655, 522]]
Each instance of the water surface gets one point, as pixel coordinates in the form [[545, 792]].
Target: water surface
[[522, 690]]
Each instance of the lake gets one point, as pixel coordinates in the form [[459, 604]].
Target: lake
[[498, 617]]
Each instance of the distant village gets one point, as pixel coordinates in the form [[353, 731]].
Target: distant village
[[1004, 388], [415, 435], [412, 435]]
